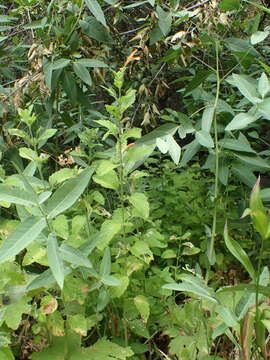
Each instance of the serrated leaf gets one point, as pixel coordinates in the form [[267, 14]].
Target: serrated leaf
[[68, 193], [21, 237], [55, 261]]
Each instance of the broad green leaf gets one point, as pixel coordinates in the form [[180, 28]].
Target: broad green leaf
[[254, 161], [240, 254], [207, 118], [74, 256], [68, 193], [155, 35], [82, 72], [61, 175], [92, 63], [246, 288], [162, 145], [237, 45], [265, 194], [119, 290], [21, 237], [258, 37], [28, 154], [164, 20], [60, 64], [190, 150], [45, 279], [246, 86], [198, 78], [174, 149], [108, 180], [47, 134], [140, 203], [163, 130], [110, 280], [138, 152], [228, 5], [3, 38], [70, 86], [20, 133], [96, 10], [240, 121], [264, 108], [142, 306], [105, 166], [204, 138], [255, 202], [105, 266], [258, 212], [78, 323], [141, 250], [241, 144], [105, 350], [195, 286], [94, 29], [5, 352], [244, 174], [55, 261], [16, 196], [14, 312], [108, 230], [263, 85], [227, 315]]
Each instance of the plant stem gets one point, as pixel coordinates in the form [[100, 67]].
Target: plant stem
[[216, 190]]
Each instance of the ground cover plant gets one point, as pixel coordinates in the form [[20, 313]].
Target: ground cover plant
[[134, 189]]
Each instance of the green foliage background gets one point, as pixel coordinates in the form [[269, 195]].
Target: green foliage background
[[132, 134]]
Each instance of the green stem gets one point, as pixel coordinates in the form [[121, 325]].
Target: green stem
[[258, 281], [216, 190]]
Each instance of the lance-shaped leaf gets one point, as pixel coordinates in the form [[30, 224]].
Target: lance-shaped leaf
[[258, 212], [193, 285], [55, 261], [239, 253], [16, 196], [96, 10], [74, 256], [20, 238], [67, 194]]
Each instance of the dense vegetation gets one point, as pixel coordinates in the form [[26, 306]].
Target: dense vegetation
[[134, 186]]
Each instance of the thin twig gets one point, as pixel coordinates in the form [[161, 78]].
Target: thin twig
[[196, 6]]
